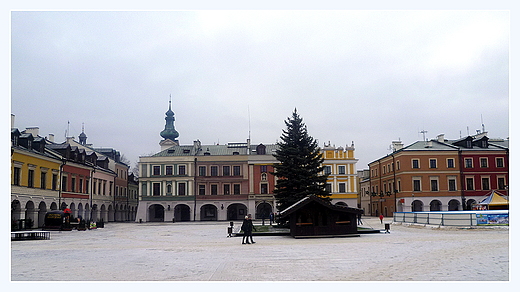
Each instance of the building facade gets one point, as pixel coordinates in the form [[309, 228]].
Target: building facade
[[340, 165], [47, 176], [224, 182], [438, 175]]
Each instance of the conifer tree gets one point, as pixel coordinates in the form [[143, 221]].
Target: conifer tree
[[300, 168]]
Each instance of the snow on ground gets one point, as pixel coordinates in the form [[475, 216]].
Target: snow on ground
[[201, 251]]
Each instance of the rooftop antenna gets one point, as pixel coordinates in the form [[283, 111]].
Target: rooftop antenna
[[482, 122], [249, 125], [423, 132]]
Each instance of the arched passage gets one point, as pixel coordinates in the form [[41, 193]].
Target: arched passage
[[208, 212], [453, 205], [42, 210], [471, 204], [435, 205], [263, 210], [16, 210], [156, 213], [181, 212], [236, 212], [417, 206], [30, 213]]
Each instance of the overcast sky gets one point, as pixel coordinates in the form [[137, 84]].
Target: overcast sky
[[368, 77]]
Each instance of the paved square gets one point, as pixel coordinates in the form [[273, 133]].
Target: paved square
[[201, 251]]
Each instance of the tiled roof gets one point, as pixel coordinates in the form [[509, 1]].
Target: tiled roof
[[218, 150]]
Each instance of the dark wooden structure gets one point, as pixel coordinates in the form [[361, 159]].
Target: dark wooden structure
[[315, 217]]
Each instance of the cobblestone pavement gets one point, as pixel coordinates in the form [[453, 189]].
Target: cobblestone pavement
[[201, 251]]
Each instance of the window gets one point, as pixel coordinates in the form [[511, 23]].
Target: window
[[80, 189], [415, 163], [202, 190], [485, 183], [202, 171], [214, 171], [416, 185], [43, 180], [434, 185], [30, 179], [156, 189], [341, 169], [169, 188], [263, 168], [64, 183], [263, 188], [214, 190], [227, 189], [469, 184], [483, 162], [342, 187], [182, 189], [398, 165], [452, 184], [169, 170], [73, 184], [55, 182], [501, 183], [468, 162], [433, 163], [327, 170], [500, 162], [156, 170], [226, 171], [328, 187], [236, 170], [451, 163], [16, 176], [236, 189], [182, 169], [263, 177]]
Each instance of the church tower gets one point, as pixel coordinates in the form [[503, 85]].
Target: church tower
[[83, 136], [169, 133]]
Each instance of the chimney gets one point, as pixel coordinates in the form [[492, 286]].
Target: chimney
[[51, 138], [12, 120], [397, 145], [35, 131], [70, 139], [429, 144], [440, 138]]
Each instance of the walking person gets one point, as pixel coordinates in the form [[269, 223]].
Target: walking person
[[247, 228], [359, 219], [251, 227], [381, 218]]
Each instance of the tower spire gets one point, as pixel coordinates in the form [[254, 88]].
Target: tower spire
[[169, 131]]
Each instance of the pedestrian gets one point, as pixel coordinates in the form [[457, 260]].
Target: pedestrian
[[381, 218], [247, 228], [359, 219], [271, 218], [251, 227]]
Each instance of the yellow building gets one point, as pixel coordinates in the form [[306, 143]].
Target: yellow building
[[34, 178], [340, 165]]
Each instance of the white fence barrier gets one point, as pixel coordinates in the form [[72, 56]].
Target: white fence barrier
[[455, 218]]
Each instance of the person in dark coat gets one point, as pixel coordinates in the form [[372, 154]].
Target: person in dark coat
[[247, 228]]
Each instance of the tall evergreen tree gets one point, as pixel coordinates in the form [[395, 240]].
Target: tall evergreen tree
[[300, 167]]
